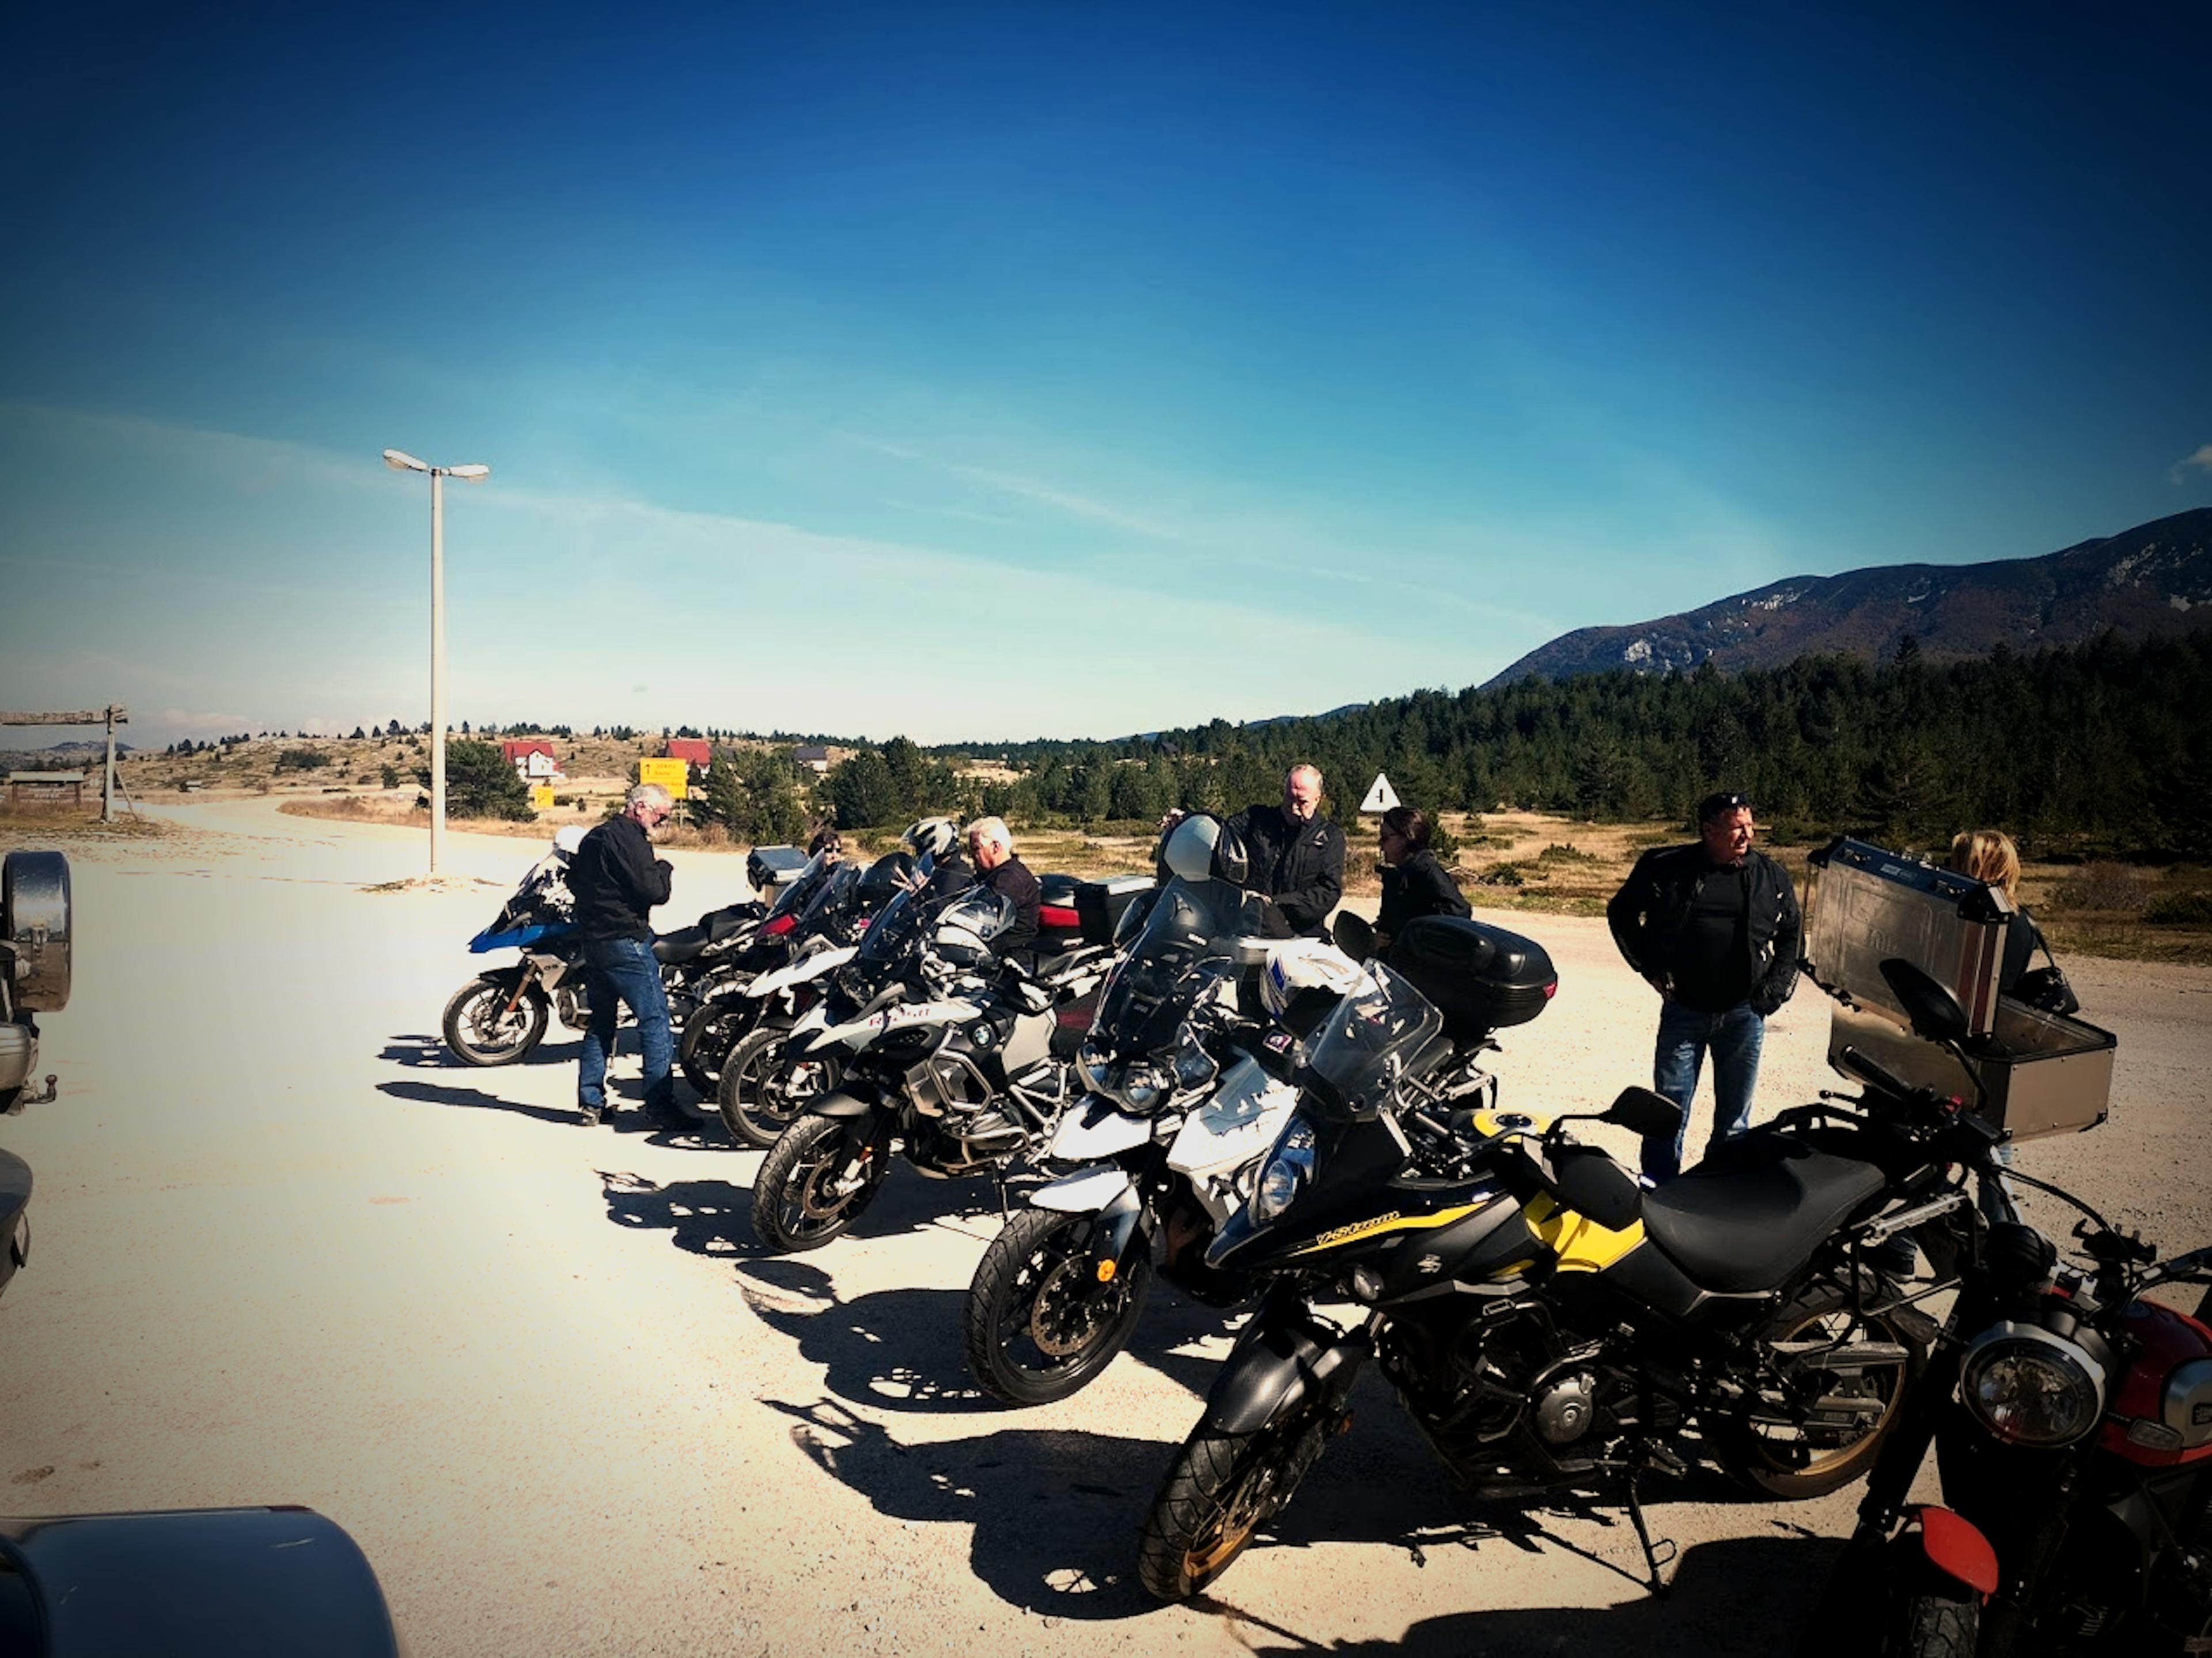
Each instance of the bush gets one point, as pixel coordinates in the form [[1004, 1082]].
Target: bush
[[1565, 852], [2181, 909], [1502, 875], [2106, 886], [391, 776], [302, 760], [479, 783]]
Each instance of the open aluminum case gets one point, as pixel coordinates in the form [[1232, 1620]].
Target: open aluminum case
[[2043, 1073]]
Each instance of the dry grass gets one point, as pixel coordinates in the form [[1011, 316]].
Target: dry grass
[[41, 825]]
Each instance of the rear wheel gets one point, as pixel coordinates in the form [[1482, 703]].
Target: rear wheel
[[1222, 1489], [1817, 1420], [762, 1093], [709, 1035], [1040, 1322], [488, 1023], [818, 1179]]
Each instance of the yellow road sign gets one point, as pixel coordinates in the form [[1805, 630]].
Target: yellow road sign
[[674, 775]]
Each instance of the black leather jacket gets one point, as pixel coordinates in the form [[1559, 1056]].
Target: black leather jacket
[[1650, 913], [616, 881], [1300, 867]]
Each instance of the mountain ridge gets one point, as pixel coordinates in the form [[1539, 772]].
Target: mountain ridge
[[2148, 581]]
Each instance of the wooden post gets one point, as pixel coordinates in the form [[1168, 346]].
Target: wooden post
[[107, 786]]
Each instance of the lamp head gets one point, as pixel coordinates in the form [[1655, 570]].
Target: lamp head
[[400, 461], [474, 474]]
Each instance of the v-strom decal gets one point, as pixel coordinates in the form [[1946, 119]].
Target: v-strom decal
[[1336, 1237]]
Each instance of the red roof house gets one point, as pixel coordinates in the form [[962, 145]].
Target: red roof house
[[696, 749]]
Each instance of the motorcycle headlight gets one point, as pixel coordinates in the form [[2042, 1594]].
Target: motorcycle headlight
[[1286, 1174], [2028, 1387], [1144, 1087], [1092, 1062], [1194, 1066]]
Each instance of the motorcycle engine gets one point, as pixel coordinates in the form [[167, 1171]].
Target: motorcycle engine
[[1565, 1409]]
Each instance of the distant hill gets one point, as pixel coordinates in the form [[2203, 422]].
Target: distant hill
[[2154, 579]]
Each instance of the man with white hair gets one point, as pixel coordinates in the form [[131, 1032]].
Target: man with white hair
[[1296, 854], [991, 844], [616, 882]]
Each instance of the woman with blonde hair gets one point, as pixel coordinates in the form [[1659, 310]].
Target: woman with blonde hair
[[1989, 856]]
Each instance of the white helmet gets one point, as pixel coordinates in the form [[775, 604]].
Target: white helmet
[[1297, 966], [931, 837], [1202, 847], [966, 928]]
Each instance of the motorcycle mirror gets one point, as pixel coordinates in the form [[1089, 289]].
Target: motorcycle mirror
[[1640, 1111], [1934, 1011]]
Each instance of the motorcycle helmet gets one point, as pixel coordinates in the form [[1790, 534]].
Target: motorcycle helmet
[[886, 877], [931, 837], [1202, 847], [1303, 973], [966, 926]]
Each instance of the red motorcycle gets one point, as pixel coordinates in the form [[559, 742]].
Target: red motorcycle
[[2072, 1422]]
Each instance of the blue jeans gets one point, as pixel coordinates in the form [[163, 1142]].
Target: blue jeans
[[1685, 1034], [624, 968]]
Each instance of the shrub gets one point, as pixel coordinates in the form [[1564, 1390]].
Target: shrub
[[2106, 886], [1502, 875], [302, 760], [391, 776], [1565, 852], [2181, 909]]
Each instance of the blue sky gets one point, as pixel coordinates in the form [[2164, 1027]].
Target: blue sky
[[1002, 371]]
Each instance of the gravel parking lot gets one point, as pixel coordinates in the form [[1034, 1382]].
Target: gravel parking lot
[[285, 1250]]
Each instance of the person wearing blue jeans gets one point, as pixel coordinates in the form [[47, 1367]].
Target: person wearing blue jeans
[[1713, 926], [617, 882], [624, 970]]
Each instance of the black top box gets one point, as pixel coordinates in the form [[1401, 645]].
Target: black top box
[[1481, 978], [1100, 904]]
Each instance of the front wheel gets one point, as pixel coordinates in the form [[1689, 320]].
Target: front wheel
[[1842, 1385], [709, 1035], [816, 1180], [760, 1094], [1222, 1489], [1041, 1324], [489, 1021]]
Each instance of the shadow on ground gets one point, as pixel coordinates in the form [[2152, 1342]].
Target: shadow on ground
[[1056, 1513], [905, 1350], [685, 1132]]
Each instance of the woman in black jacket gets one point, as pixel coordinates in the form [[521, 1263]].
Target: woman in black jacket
[[1413, 882]]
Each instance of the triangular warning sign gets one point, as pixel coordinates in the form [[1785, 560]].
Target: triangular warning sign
[[1382, 797]]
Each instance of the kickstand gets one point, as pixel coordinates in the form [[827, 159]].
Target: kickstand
[[1653, 1557]]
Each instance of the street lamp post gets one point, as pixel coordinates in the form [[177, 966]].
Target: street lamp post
[[400, 461]]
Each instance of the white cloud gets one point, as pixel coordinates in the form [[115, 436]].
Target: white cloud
[[2202, 460]]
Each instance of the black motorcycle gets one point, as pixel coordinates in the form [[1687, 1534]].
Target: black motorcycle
[[1547, 1323], [2071, 1418], [35, 943], [961, 1061]]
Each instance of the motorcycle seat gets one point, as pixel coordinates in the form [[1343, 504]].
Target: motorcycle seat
[[685, 944], [1748, 1217]]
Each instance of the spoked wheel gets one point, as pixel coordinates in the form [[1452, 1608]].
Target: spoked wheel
[[1222, 1489], [1842, 1384], [709, 1035], [1040, 1322], [760, 1093], [486, 1024], [818, 1179]]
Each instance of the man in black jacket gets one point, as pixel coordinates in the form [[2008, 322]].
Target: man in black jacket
[[991, 844], [1713, 927], [616, 882], [1297, 855]]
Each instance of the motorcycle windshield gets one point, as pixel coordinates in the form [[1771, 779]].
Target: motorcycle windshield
[[832, 898], [799, 891], [1350, 1058], [893, 931], [1142, 1003]]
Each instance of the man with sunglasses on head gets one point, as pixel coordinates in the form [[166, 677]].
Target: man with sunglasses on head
[[1713, 927], [617, 882]]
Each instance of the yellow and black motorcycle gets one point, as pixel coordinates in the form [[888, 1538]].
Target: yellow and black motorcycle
[[1547, 1321]]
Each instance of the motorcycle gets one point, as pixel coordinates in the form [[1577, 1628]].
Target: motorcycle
[[960, 1061], [35, 944], [1546, 1323], [817, 908], [2071, 1418], [1185, 1065], [500, 1018]]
